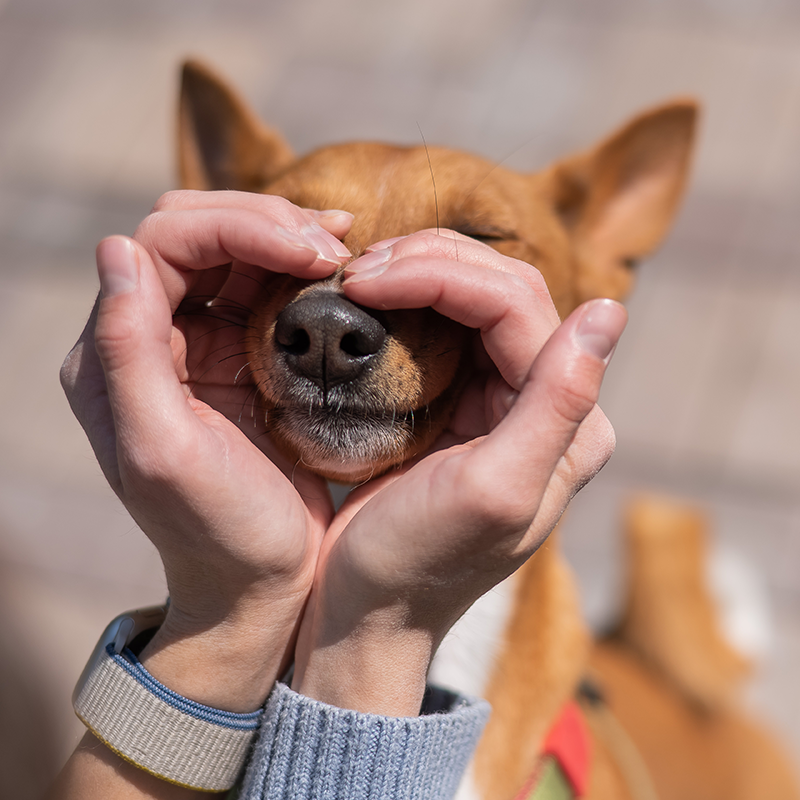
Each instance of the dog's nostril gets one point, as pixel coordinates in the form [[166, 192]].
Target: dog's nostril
[[366, 341], [294, 341]]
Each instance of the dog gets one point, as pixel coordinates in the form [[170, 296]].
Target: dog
[[648, 711]]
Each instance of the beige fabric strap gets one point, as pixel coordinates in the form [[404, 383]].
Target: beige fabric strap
[[161, 732]]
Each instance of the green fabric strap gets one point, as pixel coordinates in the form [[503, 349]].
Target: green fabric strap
[[552, 784]]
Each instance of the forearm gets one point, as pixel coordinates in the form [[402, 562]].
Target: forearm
[[376, 665], [94, 772], [163, 709], [231, 665]]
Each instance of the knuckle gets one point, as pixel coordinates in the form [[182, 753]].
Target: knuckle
[[488, 501], [150, 466], [572, 402], [428, 242], [147, 228], [533, 277], [282, 204], [68, 373], [535, 284], [111, 341], [593, 447], [604, 438], [177, 198], [574, 385], [281, 210], [519, 287]]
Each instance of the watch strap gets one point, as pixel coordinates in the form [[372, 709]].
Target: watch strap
[[158, 730]]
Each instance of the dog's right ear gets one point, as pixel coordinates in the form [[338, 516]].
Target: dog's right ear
[[221, 143], [619, 198]]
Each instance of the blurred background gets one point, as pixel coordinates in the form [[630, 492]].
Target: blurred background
[[705, 388]]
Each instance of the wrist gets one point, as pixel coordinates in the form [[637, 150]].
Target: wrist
[[378, 665], [229, 663], [175, 738]]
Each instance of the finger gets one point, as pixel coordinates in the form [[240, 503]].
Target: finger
[[515, 315], [132, 338], [560, 393], [445, 233], [444, 243], [320, 228], [84, 384], [182, 241], [334, 220], [292, 217]]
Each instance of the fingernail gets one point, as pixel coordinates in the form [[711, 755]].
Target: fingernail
[[600, 328], [368, 266], [327, 245], [332, 213], [117, 266]]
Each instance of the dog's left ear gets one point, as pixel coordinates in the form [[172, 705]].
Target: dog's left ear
[[618, 199], [221, 142]]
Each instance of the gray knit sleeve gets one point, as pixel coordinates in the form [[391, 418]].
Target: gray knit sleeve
[[307, 750]]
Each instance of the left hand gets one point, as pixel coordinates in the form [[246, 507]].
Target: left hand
[[238, 539], [409, 552]]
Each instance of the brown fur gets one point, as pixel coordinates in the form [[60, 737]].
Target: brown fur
[[691, 753], [583, 222], [536, 672], [670, 618]]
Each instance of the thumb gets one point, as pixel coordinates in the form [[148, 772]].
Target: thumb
[[133, 341]]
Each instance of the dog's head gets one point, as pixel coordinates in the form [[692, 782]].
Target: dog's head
[[353, 391]]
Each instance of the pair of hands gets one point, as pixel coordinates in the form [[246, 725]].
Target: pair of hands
[[261, 570]]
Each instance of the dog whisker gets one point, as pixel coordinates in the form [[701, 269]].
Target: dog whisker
[[244, 366], [433, 180], [211, 301], [263, 284], [196, 379]]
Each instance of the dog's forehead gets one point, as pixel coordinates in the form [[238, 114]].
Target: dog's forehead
[[394, 190]]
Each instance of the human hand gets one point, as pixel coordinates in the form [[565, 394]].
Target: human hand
[[409, 552], [238, 539]]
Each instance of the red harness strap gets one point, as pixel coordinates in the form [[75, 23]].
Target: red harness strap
[[569, 745]]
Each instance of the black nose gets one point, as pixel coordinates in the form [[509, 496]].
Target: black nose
[[327, 339]]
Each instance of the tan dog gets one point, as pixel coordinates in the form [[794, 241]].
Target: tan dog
[[354, 391]]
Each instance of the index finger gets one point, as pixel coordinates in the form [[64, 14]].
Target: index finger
[[182, 241], [515, 315], [334, 220]]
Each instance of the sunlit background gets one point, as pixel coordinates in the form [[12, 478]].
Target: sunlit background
[[705, 388]]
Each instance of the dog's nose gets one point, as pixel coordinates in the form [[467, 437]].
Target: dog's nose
[[327, 339]]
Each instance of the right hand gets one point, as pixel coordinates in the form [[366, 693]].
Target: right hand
[[411, 550]]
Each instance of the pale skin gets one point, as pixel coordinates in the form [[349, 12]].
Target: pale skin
[[261, 570]]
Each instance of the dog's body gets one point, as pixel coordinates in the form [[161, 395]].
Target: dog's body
[[352, 392]]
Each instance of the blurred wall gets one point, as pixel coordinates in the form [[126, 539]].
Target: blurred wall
[[705, 387]]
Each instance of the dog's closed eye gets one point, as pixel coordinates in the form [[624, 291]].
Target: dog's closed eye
[[486, 234]]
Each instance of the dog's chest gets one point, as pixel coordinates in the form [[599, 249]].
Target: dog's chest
[[466, 659], [467, 656]]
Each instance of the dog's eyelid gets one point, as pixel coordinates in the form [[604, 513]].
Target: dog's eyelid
[[487, 233]]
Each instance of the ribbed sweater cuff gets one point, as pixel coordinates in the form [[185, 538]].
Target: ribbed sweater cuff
[[308, 750]]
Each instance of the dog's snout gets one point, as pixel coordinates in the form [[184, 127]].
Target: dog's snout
[[327, 339]]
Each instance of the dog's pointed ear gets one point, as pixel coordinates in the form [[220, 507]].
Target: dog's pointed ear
[[618, 199], [221, 143]]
